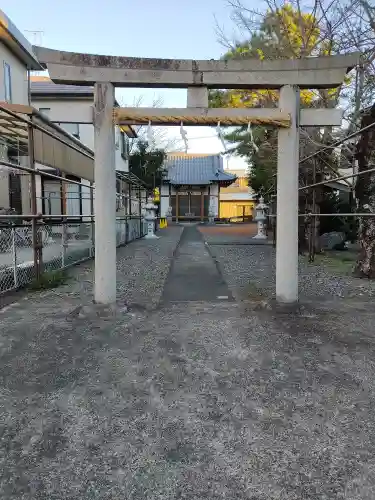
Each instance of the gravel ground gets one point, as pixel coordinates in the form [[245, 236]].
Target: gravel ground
[[142, 268], [189, 401], [249, 269]]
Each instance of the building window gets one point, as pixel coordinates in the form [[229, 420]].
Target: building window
[[45, 111], [71, 128], [73, 197], [7, 83], [124, 145]]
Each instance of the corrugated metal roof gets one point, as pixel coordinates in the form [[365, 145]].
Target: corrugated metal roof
[[180, 154], [47, 87], [193, 171]]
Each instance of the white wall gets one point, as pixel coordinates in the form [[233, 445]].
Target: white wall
[[19, 82], [121, 164], [214, 199], [78, 111], [164, 200], [66, 110], [19, 90]]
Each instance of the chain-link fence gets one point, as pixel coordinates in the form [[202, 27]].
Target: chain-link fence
[[47, 199], [34, 247]]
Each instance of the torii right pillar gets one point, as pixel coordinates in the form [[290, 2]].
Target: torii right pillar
[[287, 200], [309, 73]]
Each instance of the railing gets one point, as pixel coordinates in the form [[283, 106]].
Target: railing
[[31, 248]]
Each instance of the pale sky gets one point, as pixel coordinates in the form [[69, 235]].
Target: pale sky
[[163, 28]]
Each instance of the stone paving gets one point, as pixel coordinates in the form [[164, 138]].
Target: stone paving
[[232, 234], [193, 275], [186, 400]]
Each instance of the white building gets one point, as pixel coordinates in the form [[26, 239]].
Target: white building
[[16, 61], [71, 107], [68, 107]]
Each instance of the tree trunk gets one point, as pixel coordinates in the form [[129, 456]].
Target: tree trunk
[[316, 229], [365, 265], [365, 194]]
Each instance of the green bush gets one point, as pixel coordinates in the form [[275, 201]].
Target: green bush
[[49, 279]]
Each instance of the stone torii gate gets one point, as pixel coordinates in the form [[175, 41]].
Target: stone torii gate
[[289, 76]]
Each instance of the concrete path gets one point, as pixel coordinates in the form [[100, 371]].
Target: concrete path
[[198, 399], [194, 276]]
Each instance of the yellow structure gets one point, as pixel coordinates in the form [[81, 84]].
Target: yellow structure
[[163, 223], [156, 194], [237, 200]]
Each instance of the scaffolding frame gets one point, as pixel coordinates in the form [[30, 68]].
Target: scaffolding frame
[[20, 128]]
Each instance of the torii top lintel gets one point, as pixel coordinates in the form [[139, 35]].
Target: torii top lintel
[[87, 69]]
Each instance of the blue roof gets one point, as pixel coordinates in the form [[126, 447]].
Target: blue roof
[[196, 170]]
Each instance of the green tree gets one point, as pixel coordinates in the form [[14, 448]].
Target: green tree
[[262, 159], [147, 164], [283, 32]]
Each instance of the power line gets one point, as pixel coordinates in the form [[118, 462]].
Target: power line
[[332, 146], [337, 143]]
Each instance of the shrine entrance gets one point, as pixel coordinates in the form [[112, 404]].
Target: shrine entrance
[[289, 76], [190, 205]]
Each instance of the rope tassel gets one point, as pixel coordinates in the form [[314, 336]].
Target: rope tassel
[[221, 137], [252, 142], [150, 136], [183, 133]]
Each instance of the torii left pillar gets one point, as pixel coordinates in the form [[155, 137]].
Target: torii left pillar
[[287, 200], [105, 194]]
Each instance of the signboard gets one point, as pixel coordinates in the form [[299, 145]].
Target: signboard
[[156, 194], [191, 192]]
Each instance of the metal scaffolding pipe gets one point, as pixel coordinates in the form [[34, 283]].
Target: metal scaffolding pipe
[[45, 131], [64, 217], [42, 172], [53, 176], [308, 214], [337, 143], [348, 176]]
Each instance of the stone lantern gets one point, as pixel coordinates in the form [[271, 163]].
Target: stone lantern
[[150, 218], [168, 214], [211, 211], [260, 218]]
